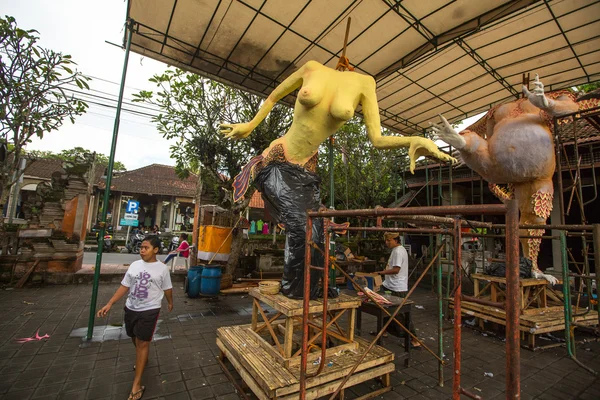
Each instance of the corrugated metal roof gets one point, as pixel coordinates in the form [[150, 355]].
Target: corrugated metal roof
[[458, 57]]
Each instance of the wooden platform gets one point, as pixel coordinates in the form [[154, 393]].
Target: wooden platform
[[262, 370], [535, 293], [292, 308], [544, 320], [284, 333]]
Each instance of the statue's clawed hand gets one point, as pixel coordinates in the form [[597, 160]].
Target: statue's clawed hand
[[421, 146], [537, 97], [446, 133], [235, 131]]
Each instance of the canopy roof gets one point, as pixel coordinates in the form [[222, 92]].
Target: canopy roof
[[437, 56]]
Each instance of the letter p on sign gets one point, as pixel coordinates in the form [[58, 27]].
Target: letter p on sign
[[133, 206]]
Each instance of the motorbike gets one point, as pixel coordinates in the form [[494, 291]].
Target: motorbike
[[135, 241], [173, 244], [108, 244]]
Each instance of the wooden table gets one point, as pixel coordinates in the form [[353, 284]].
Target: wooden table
[[372, 309], [535, 293], [291, 312]]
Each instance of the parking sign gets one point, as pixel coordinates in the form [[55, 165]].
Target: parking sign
[[133, 207]]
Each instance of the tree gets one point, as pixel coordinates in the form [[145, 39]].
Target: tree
[[192, 107], [73, 154], [33, 97], [364, 177]]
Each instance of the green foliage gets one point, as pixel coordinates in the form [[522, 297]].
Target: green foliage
[[588, 87], [192, 109], [33, 100], [364, 177]]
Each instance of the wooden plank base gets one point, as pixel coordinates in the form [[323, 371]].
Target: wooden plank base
[[545, 320], [268, 379]]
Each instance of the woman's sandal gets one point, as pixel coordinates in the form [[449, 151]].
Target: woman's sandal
[[137, 395]]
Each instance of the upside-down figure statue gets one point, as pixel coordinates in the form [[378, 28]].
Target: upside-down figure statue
[[513, 145], [285, 173]]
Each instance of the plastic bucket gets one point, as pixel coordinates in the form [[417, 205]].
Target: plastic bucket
[[194, 281], [211, 280]]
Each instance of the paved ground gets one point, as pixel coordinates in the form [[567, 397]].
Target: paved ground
[[182, 362]]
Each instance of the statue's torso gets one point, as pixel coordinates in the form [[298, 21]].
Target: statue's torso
[[325, 101]]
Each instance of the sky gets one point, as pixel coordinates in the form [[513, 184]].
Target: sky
[[84, 29]]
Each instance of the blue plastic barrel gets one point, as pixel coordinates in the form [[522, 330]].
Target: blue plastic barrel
[[194, 280], [211, 280]]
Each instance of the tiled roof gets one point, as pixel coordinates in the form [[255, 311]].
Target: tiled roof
[[154, 179], [43, 168]]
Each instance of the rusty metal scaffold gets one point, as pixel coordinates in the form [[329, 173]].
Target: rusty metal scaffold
[[511, 212]]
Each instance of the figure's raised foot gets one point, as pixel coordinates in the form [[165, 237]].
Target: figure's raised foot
[[537, 97], [537, 274], [446, 133]]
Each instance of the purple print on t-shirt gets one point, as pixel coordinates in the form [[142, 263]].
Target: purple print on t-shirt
[[142, 284]]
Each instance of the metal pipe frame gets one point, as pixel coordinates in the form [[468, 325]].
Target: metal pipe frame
[[512, 305], [457, 312]]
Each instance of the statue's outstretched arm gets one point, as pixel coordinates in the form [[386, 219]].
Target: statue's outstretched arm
[[291, 83], [418, 146]]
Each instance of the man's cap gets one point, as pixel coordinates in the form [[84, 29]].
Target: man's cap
[[391, 235]]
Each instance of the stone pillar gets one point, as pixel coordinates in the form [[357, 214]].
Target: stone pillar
[[159, 206], [172, 214]]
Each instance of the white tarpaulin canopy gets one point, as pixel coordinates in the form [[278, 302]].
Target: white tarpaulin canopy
[[435, 56]]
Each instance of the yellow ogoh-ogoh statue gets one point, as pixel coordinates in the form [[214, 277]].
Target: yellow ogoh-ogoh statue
[[285, 172]]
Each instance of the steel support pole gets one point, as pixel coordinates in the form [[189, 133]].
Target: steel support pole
[[305, 305], [331, 203], [457, 311], [440, 315], [111, 162], [596, 249], [513, 302]]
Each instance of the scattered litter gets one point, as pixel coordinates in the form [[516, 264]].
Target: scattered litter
[[317, 361], [488, 374], [420, 307], [470, 313], [431, 338], [28, 303], [27, 313], [476, 388], [470, 322], [588, 349], [403, 382], [484, 334], [34, 338], [8, 288], [165, 381], [243, 297], [330, 364]]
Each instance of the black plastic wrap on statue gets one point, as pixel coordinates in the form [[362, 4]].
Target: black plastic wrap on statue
[[499, 269], [289, 191]]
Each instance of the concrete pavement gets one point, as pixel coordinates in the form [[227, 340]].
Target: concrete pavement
[[182, 361]]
